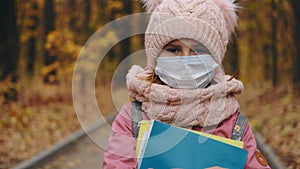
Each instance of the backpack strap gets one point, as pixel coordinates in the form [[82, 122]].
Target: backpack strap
[[239, 127], [136, 117]]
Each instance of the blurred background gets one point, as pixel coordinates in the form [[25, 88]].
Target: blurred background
[[40, 41]]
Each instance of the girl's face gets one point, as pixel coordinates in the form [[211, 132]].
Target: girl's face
[[183, 47]]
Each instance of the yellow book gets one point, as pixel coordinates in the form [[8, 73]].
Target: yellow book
[[143, 135], [236, 143]]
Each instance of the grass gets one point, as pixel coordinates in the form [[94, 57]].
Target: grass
[[275, 114], [41, 115]]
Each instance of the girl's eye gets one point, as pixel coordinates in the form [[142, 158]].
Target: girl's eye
[[173, 50]]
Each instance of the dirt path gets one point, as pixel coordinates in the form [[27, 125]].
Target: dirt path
[[84, 153]]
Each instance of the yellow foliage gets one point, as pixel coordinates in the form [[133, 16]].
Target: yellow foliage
[[61, 44], [115, 5], [46, 69], [94, 49]]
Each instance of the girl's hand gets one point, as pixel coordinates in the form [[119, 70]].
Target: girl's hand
[[215, 168]]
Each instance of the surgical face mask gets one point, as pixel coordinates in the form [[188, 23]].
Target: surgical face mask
[[186, 72]]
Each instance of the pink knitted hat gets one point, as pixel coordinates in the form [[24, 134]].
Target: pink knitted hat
[[210, 22]]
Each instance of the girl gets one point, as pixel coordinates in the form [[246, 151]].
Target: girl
[[183, 83]]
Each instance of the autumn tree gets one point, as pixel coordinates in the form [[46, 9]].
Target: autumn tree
[[296, 34], [49, 20], [274, 51], [9, 41], [86, 17], [126, 44], [232, 57], [32, 26]]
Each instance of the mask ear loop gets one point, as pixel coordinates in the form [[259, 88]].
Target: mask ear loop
[[220, 70]]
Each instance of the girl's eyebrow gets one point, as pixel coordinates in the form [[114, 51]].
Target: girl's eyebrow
[[195, 45], [171, 45]]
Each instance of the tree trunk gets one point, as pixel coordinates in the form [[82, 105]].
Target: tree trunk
[[234, 52], [72, 21], [274, 52], [296, 34], [102, 4], [49, 19], [31, 53], [87, 11], [9, 41], [126, 44]]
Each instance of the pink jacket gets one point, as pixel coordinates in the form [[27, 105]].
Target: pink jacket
[[120, 152]]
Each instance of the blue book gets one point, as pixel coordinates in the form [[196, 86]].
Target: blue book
[[170, 147]]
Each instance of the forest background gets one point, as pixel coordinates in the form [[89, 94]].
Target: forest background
[[41, 40]]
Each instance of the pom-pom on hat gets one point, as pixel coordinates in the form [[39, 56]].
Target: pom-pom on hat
[[209, 22]]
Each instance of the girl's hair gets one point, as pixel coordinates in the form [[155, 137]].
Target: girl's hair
[[150, 77]]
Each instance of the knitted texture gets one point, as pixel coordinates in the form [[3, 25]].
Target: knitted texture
[[210, 22], [182, 107]]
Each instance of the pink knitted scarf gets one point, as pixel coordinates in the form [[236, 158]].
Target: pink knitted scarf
[[184, 107]]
